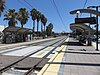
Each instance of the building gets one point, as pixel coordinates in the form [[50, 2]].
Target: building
[[13, 34]]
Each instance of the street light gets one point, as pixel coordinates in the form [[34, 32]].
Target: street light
[[97, 25], [77, 14]]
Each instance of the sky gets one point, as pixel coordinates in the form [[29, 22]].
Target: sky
[[61, 21]]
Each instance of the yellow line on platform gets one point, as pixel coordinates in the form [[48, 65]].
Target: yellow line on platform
[[53, 69]]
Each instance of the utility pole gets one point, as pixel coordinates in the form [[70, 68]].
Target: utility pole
[[97, 25]]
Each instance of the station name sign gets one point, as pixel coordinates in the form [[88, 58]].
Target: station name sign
[[91, 20]]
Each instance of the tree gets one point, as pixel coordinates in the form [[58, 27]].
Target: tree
[[33, 14], [38, 19], [49, 29], [23, 16], [44, 22], [2, 6], [11, 16]]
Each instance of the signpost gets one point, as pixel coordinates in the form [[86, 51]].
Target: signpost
[[91, 20]]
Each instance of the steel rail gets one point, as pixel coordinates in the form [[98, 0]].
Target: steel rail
[[30, 70], [33, 44], [24, 57]]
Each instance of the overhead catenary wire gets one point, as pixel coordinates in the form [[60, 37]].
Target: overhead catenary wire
[[55, 6], [32, 7], [57, 25], [28, 4], [23, 4], [84, 6]]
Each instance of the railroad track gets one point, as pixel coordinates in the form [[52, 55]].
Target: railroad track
[[3, 69], [29, 44], [33, 67], [7, 50]]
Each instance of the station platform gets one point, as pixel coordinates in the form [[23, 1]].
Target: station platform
[[73, 59], [4, 46]]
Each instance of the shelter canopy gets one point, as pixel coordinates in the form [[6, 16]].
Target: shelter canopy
[[17, 30], [86, 11], [82, 27]]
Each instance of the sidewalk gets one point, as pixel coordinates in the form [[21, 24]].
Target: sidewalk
[[76, 59]]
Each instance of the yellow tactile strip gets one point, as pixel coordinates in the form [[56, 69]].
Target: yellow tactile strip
[[53, 69]]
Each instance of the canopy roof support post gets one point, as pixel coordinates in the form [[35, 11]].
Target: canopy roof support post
[[97, 29], [89, 34]]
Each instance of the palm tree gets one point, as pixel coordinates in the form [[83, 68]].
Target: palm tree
[[42, 19], [38, 19], [2, 6], [11, 16], [33, 14], [44, 22], [23, 16]]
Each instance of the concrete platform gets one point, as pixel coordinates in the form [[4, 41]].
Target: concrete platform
[[4, 46], [23, 65], [23, 51], [73, 59]]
